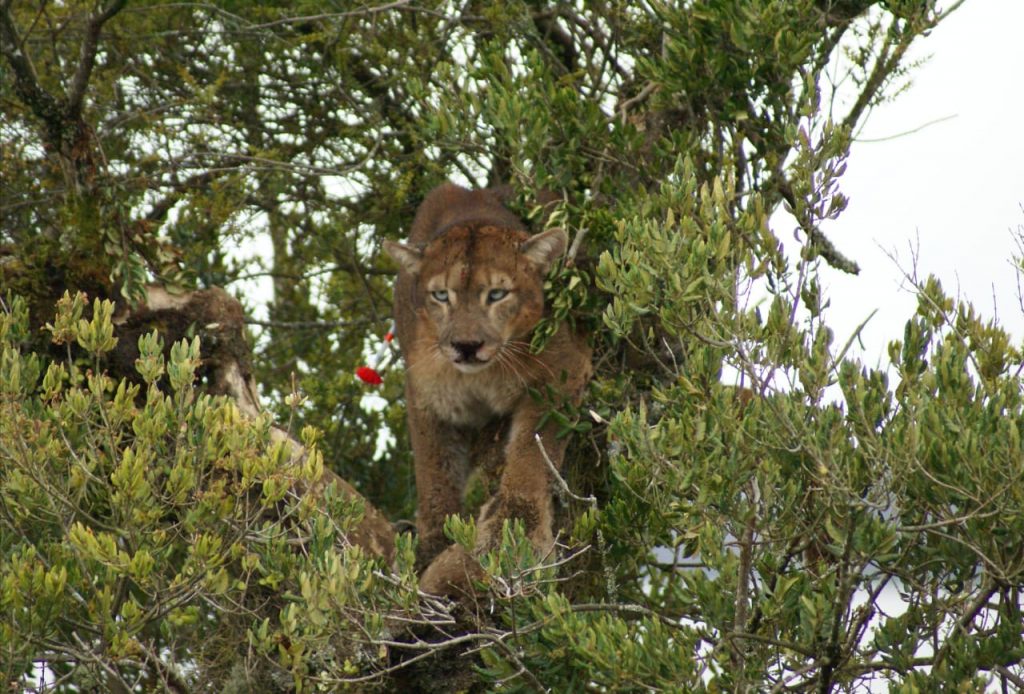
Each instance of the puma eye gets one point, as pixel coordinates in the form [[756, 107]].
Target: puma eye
[[440, 296], [496, 295]]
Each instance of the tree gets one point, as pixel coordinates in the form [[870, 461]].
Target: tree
[[741, 496]]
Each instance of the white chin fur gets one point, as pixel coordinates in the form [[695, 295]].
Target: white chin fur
[[471, 368]]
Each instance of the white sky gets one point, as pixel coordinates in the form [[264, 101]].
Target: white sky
[[956, 186]]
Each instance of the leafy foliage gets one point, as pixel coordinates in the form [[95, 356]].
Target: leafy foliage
[[747, 505], [147, 527]]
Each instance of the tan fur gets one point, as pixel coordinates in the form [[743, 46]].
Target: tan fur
[[468, 296]]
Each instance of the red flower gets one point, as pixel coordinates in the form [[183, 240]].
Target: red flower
[[369, 375]]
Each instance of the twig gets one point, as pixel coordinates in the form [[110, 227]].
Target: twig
[[648, 89], [309, 324], [919, 128], [570, 257], [362, 12], [592, 500]]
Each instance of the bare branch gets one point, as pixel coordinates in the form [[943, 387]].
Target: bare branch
[[563, 485]]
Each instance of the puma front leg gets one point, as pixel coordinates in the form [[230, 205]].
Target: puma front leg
[[524, 492], [440, 453], [525, 488]]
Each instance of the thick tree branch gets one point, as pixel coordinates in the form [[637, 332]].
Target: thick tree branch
[[87, 58], [26, 82]]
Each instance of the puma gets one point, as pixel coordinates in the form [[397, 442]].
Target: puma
[[468, 296]]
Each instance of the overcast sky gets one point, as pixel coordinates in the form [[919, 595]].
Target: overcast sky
[[956, 186]]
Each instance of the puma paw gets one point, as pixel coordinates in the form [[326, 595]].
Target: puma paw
[[452, 574]]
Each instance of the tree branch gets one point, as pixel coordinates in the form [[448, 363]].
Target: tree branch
[[880, 73], [26, 82], [87, 58], [971, 611]]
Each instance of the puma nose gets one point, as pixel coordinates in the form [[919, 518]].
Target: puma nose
[[466, 351]]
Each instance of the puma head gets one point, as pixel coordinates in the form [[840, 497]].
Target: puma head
[[479, 288]]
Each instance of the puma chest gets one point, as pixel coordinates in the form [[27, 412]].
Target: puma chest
[[467, 400]]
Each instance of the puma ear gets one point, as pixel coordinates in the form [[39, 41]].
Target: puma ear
[[406, 256], [545, 248]]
